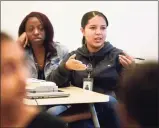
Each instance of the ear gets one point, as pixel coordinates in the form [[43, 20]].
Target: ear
[[82, 30]]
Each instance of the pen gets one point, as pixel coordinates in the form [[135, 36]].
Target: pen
[[139, 58]]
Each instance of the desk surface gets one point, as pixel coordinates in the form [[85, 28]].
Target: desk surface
[[77, 96], [30, 102]]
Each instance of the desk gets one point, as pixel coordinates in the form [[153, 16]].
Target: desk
[[77, 96], [30, 102]]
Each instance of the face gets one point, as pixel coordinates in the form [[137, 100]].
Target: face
[[95, 32], [35, 31], [13, 74]]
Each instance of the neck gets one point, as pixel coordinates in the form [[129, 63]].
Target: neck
[[38, 49], [93, 50]]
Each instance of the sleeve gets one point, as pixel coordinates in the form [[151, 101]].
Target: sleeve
[[45, 120], [61, 76]]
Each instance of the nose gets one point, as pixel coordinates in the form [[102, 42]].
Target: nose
[[98, 31], [36, 32]]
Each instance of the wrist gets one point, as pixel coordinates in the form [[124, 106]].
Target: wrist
[[66, 66]]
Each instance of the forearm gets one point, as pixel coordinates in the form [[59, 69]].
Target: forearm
[[76, 117]]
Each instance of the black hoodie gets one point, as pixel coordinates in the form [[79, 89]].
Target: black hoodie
[[106, 68]]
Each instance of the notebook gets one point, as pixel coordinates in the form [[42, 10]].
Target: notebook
[[39, 89]]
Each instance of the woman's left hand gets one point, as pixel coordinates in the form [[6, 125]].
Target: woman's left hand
[[126, 60]]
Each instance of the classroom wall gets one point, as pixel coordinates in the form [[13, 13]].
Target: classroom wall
[[133, 25]]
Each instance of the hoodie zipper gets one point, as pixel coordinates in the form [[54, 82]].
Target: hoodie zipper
[[91, 65]]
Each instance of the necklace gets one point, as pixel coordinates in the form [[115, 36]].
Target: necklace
[[39, 65]]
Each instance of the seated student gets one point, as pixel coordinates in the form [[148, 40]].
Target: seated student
[[138, 96], [36, 35], [14, 113], [107, 63]]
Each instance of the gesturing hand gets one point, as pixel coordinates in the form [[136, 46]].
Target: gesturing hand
[[126, 60], [73, 64]]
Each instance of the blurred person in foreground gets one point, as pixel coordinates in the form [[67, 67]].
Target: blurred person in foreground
[[138, 96], [14, 113]]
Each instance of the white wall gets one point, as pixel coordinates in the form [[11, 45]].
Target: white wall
[[133, 25]]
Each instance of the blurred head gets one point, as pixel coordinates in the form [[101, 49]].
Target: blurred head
[[39, 30], [13, 72], [93, 27], [138, 94]]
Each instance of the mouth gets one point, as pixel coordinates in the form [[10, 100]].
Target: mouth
[[22, 92], [37, 40], [98, 39]]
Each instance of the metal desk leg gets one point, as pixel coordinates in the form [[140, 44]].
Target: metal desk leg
[[94, 116]]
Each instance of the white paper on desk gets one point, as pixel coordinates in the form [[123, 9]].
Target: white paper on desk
[[35, 85], [34, 80]]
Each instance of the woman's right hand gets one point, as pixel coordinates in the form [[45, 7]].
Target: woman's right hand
[[73, 64], [23, 39]]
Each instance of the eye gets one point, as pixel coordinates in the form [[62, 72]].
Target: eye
[[41, 28], [30, 29], [103, 28], [92, 28]]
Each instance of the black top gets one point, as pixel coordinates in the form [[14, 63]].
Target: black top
[[41, 74], [45, 120], [106, 69]]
